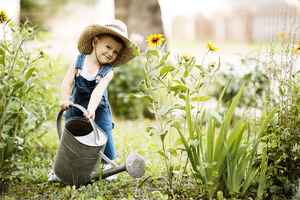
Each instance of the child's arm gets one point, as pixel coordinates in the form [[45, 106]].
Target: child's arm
[[97, 94], [66, 87]]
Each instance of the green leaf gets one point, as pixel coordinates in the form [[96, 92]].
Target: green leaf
[[187, 147], [160, 152], [166, 69], [210, 139], [235, 137], [179, 141], [188, 113], [201, 98], [141, 96], [179, 88], [152, 53], [2, 59], [222, 95], [152, 130], [173, 151], [232, 107], [29, 73], [186, 73], [136, 51], [262, 182], [17, 85], [164, 58]]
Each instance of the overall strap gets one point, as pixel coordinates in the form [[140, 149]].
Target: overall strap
[[104, 70], [79, 63]]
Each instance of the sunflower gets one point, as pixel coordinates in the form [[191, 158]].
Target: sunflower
[[211, 47], [155, 40], [296, 49], [3, 16]]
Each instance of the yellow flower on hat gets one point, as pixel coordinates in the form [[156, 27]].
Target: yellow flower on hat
[[211, 46], [155, 40], [3, 16], [296, 49]]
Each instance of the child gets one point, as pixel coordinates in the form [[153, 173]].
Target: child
[[100, 47]]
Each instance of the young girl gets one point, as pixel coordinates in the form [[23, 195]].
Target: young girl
[[100, 47]]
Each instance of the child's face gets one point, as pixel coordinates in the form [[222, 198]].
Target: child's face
[[106, 49]]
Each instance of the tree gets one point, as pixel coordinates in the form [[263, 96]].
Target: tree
[[141, 17]]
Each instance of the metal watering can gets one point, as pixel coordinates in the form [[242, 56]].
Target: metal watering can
[[76, 160]]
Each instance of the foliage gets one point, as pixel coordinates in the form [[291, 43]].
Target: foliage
[[282, 140], [157, 87], [223, 156], [221, 152], [254, 79], [122, 90], [26, 96]]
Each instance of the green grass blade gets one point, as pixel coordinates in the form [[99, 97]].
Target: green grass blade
[[226, 122], [222, 95], [188, 114], [210, 139], [187, 148]]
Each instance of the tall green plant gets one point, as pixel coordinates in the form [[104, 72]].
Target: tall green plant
[[166, 80], [220, 150], [172, 86], [281, 139], [26, 99], [223, 155]]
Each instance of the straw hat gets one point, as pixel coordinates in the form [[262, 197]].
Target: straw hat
[[116, 28]]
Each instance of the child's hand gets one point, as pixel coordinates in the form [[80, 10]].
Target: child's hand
[[64, 105], [90, 114]]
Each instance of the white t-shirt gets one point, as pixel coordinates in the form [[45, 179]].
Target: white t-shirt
[[85, 74]]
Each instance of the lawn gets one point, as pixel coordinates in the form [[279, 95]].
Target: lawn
[[130, 136]]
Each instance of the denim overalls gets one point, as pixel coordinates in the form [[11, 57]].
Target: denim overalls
[[81, 93]]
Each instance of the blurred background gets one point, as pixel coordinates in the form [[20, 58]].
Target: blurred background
[[234, 25]]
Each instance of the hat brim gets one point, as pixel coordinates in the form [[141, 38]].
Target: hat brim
[[85, 43]]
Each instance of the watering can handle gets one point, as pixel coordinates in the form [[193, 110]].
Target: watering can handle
[[59, 116]]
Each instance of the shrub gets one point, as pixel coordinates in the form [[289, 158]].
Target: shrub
[[283, 144], [122, 90], [26, 96], [282, 139]]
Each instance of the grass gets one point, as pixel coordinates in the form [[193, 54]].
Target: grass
[[130, 136], [31, 177]]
